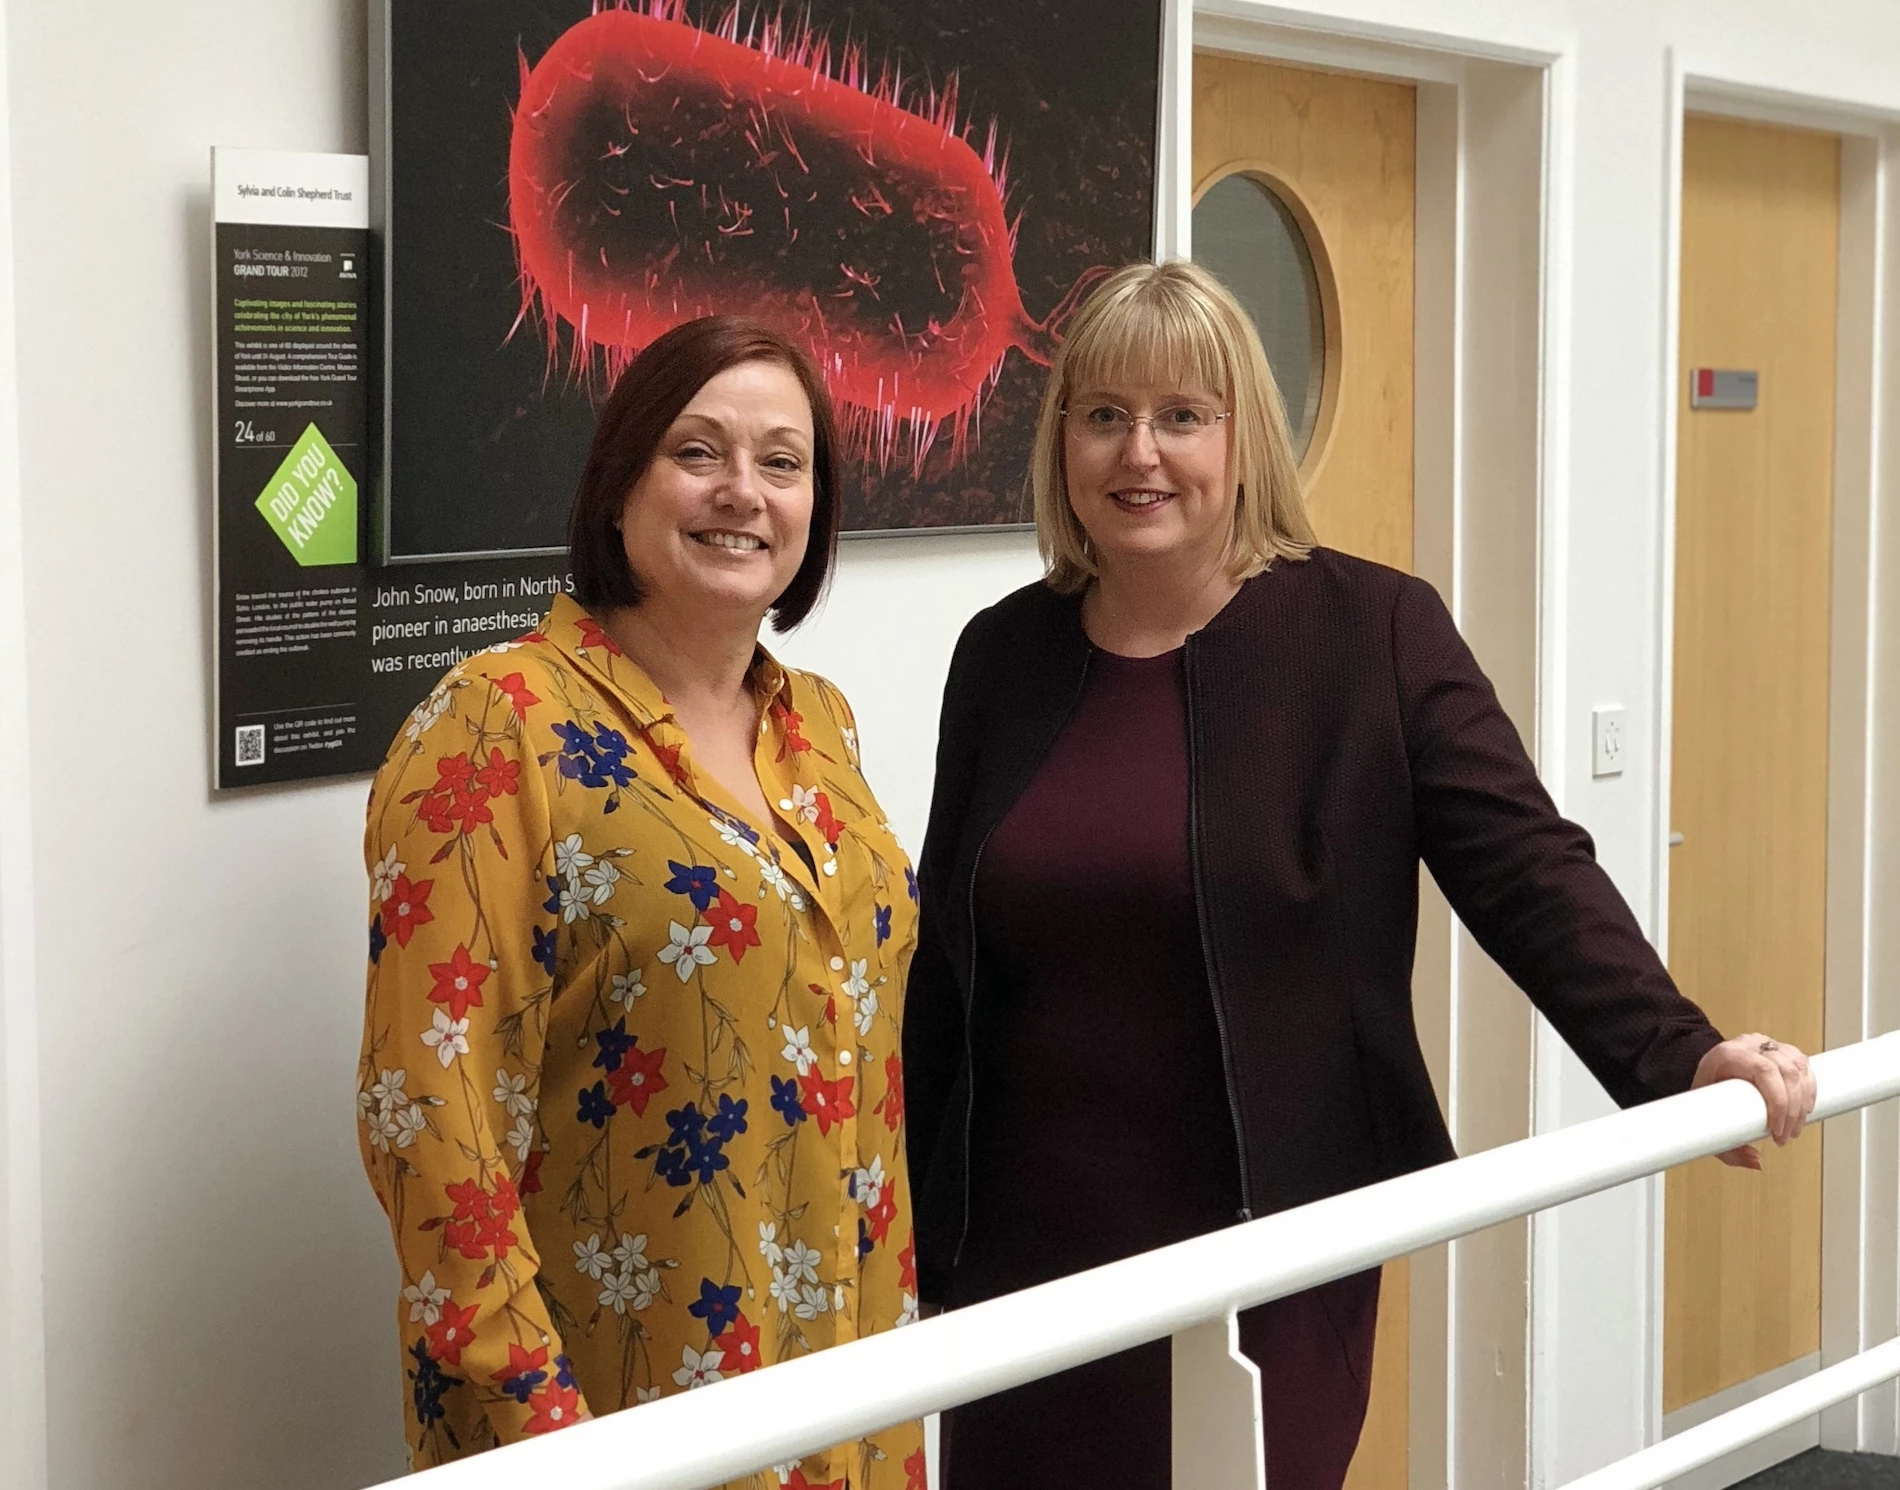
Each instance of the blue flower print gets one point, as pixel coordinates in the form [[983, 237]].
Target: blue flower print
[[883, 922], [717, 1306], [685, 1125], [729, 1122], [865, 1244], [522, 1387], [377, 941], [910, 883], [544, 949], [697, 882], [563, 1371], [553, 903], [431, 1383], [596, 1106], [614, 1045], [597, 760], [785, 1102]]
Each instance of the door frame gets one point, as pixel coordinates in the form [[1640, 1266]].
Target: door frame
[[1860, 1205], [1490, 436]]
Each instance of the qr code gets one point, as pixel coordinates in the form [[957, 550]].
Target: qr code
[[250, 744]]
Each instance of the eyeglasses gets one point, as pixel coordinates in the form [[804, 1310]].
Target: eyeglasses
[[1175, 425]]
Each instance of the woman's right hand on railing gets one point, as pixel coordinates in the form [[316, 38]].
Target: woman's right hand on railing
[[1778, 1071]]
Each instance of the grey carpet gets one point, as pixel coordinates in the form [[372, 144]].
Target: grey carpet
[[1824, 1469]]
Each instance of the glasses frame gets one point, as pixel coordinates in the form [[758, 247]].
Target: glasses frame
[[1064, 410]]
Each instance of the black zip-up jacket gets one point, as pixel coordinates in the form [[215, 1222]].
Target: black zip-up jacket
[[1339, 731]]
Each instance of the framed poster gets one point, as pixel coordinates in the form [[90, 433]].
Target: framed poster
[[917, 194]]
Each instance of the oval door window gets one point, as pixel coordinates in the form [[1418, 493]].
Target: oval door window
[[1249, 237]]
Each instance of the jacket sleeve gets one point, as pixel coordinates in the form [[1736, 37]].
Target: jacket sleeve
[[1524, 879], [460, 975], [934, 1034]]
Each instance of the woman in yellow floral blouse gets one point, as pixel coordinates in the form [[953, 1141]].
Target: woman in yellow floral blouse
[[630, 1091]]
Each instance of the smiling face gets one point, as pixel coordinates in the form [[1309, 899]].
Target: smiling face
[[721, 517], [1157, 489]]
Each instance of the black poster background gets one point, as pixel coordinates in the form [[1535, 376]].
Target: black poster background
[[342, 652], [486, 445]]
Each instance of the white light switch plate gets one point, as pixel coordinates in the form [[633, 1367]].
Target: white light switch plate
[[1608, 741]]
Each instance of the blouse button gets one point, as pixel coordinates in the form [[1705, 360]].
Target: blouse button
[[831, 866], [844, 1057], [837, 964]]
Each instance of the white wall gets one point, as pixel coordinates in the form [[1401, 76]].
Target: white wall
[[217, 1277]]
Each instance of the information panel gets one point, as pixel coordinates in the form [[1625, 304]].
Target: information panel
[[319, 655]]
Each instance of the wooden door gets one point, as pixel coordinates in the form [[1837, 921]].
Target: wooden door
[[1340, 154], [1747, 892]]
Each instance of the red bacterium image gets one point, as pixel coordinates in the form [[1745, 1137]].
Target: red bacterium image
[[659, 170]]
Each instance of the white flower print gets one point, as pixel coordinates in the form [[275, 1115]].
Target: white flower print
[[425, 1299], [646, 1289], [570, 858], [803, 803], [411, 1124], [813, 1299], [521, 1139], [589, 1259], [631, 1252], [618, 1291], [600, 882], [388, 1089], [448, 1039], [850, 737], [426, 713], [646, 1394], [857, 985], [383, 876], [907, 1313], [775, 879], [697, 1369], [732, 837], [626, 988], [512, 1093], [769, 1248], [686, 950], [574, 900], [868, 1184], [784, 1290], [383, 1128], [864, 1012], [798, 1049], [801, 1262]]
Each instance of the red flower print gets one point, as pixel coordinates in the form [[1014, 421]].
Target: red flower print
[[740, 1342], [799, 1482], [521, 1361], [556, 1406], [470, 810], [493, 1233], [731, 921], [828, 1101], [501, 777], [453, 773], [406, 909], [882, 1214], [458, 982], [827, 824], [916, 1477], [515, 689], [471, 1200], [593, 636], [907, 1266], [891, 1104], [452, 1333], [531, 1173], [790, 722], [669, 757], [634, 1082], [465, 1238]]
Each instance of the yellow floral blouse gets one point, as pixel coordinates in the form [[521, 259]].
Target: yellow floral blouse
[[630, 1091]]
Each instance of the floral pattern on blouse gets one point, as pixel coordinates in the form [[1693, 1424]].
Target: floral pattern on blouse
[[630, 1091]]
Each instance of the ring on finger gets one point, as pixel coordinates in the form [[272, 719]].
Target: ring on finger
[[1768, 1046]]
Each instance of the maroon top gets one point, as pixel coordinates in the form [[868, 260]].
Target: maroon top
[[1101, 1126]]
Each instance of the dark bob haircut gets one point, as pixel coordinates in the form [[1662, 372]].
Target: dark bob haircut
[[649, 396]]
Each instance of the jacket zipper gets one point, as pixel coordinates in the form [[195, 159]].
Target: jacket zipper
[[1207, 945], [969, 1017]]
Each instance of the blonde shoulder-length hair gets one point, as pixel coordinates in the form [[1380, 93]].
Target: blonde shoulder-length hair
[[1173, 326]]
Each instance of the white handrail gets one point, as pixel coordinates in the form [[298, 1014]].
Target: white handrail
[[705, 1437], [1706, 1442]]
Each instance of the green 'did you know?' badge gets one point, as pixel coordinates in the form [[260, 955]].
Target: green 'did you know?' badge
[[311, 503]]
